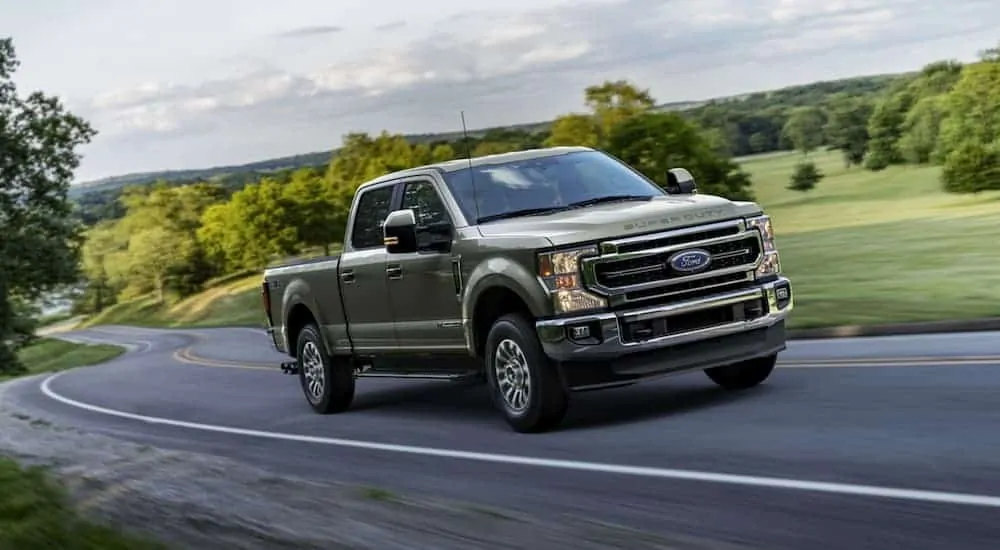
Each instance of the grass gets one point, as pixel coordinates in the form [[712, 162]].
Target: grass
[[871, 248], [52, 355], [35, 514], [862, 248], [230, 303]]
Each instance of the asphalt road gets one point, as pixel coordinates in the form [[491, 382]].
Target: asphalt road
[[890, 442]]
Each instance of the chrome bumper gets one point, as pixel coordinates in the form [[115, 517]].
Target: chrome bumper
[[554, 334]]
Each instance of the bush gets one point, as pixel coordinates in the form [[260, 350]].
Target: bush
[[972, 167], [805, 177]]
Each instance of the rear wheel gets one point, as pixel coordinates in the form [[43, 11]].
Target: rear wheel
[[743, 375], [327, 382], [524, 383]]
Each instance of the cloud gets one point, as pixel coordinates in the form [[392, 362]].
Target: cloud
[[305, 32], [390, 26], [504, 68]]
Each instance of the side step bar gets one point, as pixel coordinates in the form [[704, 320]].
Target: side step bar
[[292, 367], [453, 376]]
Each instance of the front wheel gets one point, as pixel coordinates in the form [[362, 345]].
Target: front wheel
[[328, 383], [743, 375], [524, 383]]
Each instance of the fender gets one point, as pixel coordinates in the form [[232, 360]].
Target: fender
[[508, 274], [298, 292]]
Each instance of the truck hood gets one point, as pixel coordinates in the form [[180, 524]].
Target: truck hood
[[618, 219]]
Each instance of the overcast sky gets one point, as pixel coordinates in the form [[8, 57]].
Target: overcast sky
[[195, 83]]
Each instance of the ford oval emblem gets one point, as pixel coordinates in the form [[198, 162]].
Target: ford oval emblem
[[690, 261]]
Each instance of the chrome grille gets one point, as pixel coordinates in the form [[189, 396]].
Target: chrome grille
[[637, 268]]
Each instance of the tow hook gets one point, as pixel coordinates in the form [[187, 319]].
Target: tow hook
[[290, 367]]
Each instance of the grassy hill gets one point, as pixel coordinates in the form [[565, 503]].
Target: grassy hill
[[862, 248]]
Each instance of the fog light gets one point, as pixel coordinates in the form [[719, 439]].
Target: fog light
[[782, 295], [579, 332]]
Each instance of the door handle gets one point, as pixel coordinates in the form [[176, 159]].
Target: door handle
[[347, 276], [394, 271]]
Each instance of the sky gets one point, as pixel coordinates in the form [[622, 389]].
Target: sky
[[172, 84]]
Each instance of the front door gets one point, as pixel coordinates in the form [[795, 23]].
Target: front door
[[427, 311]]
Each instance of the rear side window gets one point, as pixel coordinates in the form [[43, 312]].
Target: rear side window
[[373, 207]]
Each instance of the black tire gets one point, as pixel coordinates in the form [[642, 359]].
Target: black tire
[[337, 388], [743, 375], [547, 399]]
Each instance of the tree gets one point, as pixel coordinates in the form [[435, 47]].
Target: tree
[[805, 177], [317, 216], [39, 239], [612, 102], [655, 142], [101, 250], [972, 167], [805, 128], [847, 128], [921, 128], [574, 129], [970, 129]]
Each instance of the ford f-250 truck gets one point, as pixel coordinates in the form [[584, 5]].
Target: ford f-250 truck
[[546, 272]]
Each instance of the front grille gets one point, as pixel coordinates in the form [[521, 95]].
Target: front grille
[[637, 269], [654, 267]]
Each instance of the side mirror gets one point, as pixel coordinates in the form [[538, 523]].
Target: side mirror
[[399, 232], [680, 182]]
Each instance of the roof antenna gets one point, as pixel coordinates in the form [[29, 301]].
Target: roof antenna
[[472, 176]]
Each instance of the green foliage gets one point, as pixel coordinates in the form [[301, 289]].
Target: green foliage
[[52, 355], [804, 128], [972, 167], [39, 247], [846, 127], [805, 176], [970, 128], [655, 142]]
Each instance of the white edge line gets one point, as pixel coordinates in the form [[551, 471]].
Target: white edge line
[[575, 465]]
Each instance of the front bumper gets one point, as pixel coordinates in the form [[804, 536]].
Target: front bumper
[[621, 347]]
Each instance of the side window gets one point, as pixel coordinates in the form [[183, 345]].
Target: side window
[[373, 207], [425, 202]]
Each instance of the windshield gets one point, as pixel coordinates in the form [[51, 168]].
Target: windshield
[[538, 184]]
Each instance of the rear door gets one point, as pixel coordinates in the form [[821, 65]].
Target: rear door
[[363, 273]]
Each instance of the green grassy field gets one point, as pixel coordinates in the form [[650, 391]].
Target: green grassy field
[[234, 302], [861, 248], [871, 248], [52, 355]]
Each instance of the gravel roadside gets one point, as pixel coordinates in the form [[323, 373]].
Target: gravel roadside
[[191, 500]]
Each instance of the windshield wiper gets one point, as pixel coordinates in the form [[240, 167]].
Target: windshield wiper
[[522, 212], [609, 198]]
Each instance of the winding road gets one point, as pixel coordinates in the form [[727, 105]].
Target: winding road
[[888, 442]]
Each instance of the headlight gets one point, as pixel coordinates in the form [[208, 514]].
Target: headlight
[[770, 265], [560, 273]]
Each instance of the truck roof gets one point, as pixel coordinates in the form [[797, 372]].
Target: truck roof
[[484, 160]]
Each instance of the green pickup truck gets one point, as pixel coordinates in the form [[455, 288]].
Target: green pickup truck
[[546, 272]]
